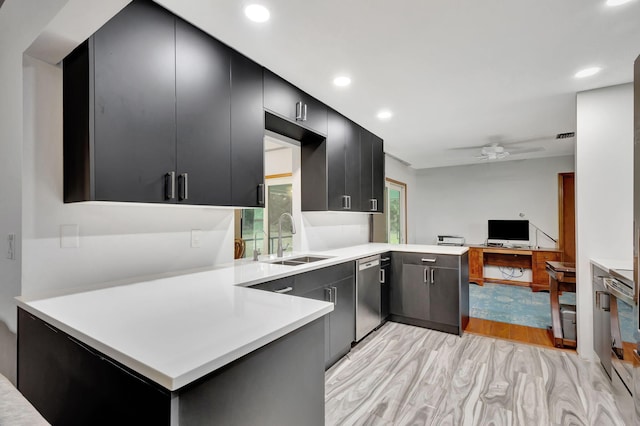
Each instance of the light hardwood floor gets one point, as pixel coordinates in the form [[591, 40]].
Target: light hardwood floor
[[404, 375], [519, 333]]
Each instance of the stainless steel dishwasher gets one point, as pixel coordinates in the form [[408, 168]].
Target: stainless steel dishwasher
[[367, 296]]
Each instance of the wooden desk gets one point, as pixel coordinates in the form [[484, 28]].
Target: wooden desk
[[526, 258], [562, 277]]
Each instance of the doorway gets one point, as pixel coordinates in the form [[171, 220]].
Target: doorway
[[567, 216]]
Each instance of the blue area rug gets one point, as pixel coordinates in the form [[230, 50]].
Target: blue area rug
[[513, 304]]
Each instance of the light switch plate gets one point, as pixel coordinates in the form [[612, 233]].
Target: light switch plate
[[196, 238], [11, 246], [69, 236]]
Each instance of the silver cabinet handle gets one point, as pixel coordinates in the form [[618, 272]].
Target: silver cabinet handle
[[428, 260], [382, 277], [170, 187], [328, 293], [345, 202], [184, 177], [602, 303], [335, 296], [299, 111], [425, 274], [304, 112], [374, 205], [432, 272], [284, 290], [385, 259], [261, 194], [348, 202]]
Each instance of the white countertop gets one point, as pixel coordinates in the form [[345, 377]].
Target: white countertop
[[609, 264], [176, 329]]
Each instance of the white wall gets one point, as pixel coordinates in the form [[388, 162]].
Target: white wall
[[460, 200], [604, 191]]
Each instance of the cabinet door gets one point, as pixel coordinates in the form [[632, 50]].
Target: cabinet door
[[203, 101], [414, 296], [385, 284], [247, 133], [286, 100], [342, 319], [377, 181], [336, 172], [366, 171], [322, 293], [352, 165], [134, 105], [601, 320], [444, 296]]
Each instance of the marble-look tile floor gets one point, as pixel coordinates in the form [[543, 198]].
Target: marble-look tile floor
[[404, 375]]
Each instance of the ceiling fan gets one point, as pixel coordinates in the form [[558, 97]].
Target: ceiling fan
[[497, 149]]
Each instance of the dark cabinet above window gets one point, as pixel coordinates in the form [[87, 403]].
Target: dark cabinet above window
[[151, 115], [287, 101], [345, 171]]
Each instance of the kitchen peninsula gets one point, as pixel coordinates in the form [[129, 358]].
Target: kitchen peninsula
[[186, 347]]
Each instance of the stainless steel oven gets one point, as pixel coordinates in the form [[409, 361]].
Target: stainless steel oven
[[624, 324]]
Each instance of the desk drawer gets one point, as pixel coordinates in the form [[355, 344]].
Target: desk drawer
[[543, 256], [511, 260], [429, 259]]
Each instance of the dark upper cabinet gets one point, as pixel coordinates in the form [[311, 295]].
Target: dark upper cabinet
[[119, 109], [371, 172], [291, 103], [203, 93], [247, 133], [155, 110], [345, 171]]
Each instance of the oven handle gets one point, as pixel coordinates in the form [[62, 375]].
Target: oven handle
[[617, 293]]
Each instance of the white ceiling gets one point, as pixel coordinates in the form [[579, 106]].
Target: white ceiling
[[454, 72]]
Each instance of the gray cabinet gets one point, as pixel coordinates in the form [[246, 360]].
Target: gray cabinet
[[430, 290], [601, 319], [333, 284], [371, 172], [151, 115]]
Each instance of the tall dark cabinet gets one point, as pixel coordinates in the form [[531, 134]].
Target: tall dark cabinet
[[371, 172], [155, 110], [203, 92]]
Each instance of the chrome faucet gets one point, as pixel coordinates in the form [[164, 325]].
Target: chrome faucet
[[293, 231], [256, 251]]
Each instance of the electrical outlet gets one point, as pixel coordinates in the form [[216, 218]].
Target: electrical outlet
[[11, 246], [196, 238]]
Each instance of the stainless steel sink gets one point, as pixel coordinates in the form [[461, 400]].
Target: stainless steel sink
[[301, 260]]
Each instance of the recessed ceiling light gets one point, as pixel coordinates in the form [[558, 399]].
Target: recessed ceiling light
[[616, 2], [257, 13], [385, 114], [342, 81], [587, 72]]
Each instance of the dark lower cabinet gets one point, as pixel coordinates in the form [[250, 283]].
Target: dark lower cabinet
[[430, 291], [69, 383], [333, 284]]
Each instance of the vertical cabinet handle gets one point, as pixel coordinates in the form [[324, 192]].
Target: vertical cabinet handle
[[382, 277], [335, 296], [304, 112], [601, 303], [425, 274], [170, 186], [346, 202], [261, 194], [184, 178], [299, 111], [432, 272], [328, 294], [374, 204]]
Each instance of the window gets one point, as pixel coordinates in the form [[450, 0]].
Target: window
[[396, 207]]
